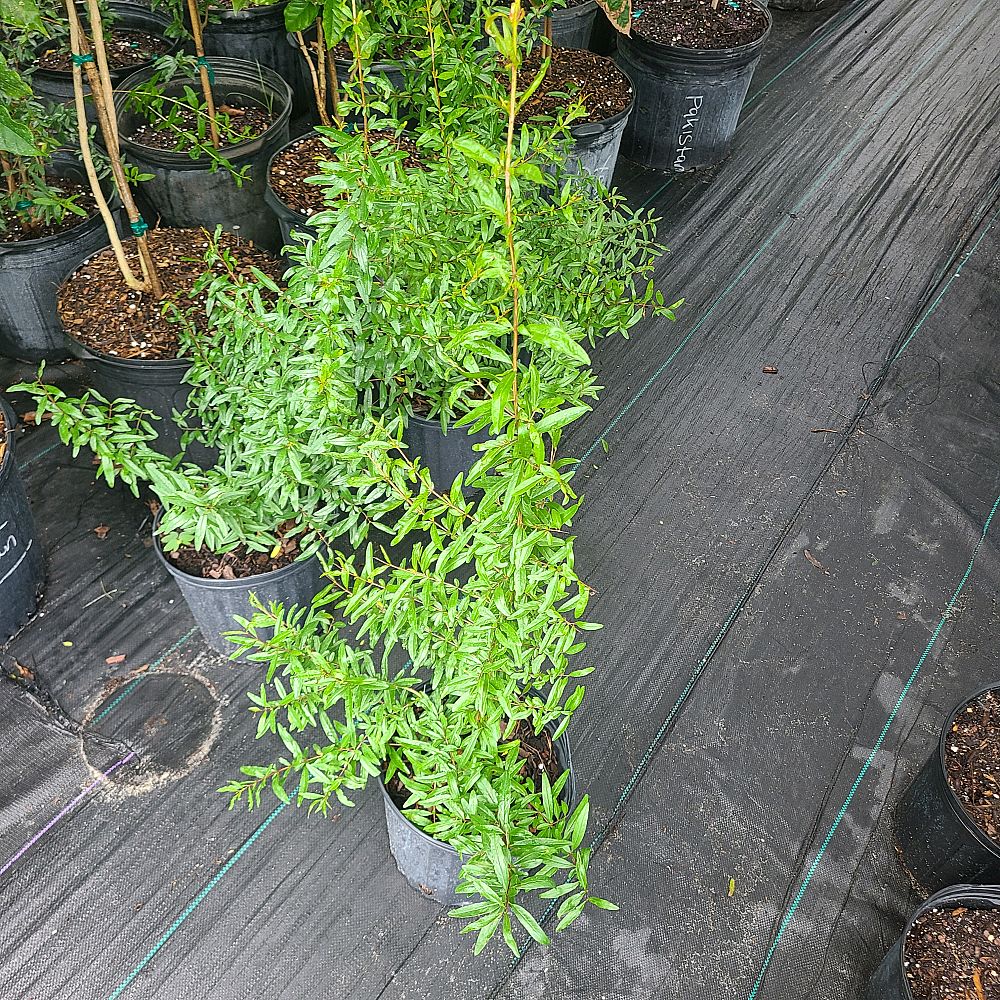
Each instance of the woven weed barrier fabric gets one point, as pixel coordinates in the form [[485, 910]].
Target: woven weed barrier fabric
[[796, 569]]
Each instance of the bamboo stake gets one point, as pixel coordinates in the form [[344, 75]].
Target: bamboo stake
[[206, 81], [80, 46]]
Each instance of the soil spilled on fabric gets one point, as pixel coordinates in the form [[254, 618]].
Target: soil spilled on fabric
[[954, 954], [695, 24], [127, 47], [575, 74], [241, 562], [18, 226], [301, 159], [236, 124], [972, 761], [102, 312]]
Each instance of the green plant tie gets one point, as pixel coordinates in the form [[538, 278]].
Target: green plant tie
[[79, 60], [203, 61], [139, 227], [22, 205]]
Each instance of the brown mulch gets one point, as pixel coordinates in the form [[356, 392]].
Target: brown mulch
[[238, 564], [954, 954], [101, 311], [594, 79], [301, 159], [18, 226], [972, 761], [694, 24], [239, 125], [126, 48]]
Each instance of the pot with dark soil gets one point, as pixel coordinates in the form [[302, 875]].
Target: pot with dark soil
[[292, 197], [949, 950], [607, 96], [691, 63], [190, 186], [130, 340], [257, 34], [948, 820], [22, 561], [445, 454], [217, 588], [135, 40], [433, 867], [36, 256]]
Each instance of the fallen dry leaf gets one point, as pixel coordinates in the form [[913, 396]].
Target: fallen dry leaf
[[102, 531], [113, 661], [769, 370], [813, 561]]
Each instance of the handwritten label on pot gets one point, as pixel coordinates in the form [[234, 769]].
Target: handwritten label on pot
[[685, 138], [12, 552]]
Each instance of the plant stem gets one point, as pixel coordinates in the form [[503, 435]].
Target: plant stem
[[319, 96], [516, 13], [206, 83], [547, 36]]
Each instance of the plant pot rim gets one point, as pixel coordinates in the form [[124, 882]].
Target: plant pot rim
[[239, 70], [241, 583], [951, 798], [706, 54], [584, 130], [575, 10], [9, 425], [270, 193]]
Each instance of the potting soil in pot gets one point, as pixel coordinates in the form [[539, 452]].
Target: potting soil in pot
[[240, 562], [126, 48], [237, 124], [972, 761], [954, 954], [102, 312], [576, 74], [300, 160], [696, 24], [28, 224]]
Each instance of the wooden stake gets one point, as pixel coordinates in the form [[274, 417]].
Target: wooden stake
[[547, 36]]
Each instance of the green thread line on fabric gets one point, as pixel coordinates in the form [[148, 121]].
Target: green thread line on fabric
[[842, 812], [34, 458], [800, 895], [139, 227], [203, 61], [720, 637], [132, 685], [79, 60], [193, 905]]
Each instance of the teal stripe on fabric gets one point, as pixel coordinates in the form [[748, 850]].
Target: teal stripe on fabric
[[193, 905], [842, 812]]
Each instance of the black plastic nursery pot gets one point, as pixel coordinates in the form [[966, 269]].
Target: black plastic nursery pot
[[687, 101], [889, 982], [443, 455], [214, 604], [22, 561], [257, 34], [939, 843], [573, 27], [433, 867], [800, 4], [596, 145], [56, 86], [289, 220], [31, 272], [185, 192]]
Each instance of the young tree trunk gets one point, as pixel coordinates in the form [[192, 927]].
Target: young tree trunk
[[206, 80], [318, 89], [101, 92]]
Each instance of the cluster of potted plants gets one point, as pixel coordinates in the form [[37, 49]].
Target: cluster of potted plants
[[353, 455], [948, 835]]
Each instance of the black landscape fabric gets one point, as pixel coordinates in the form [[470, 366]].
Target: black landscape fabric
[[796, 569]]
